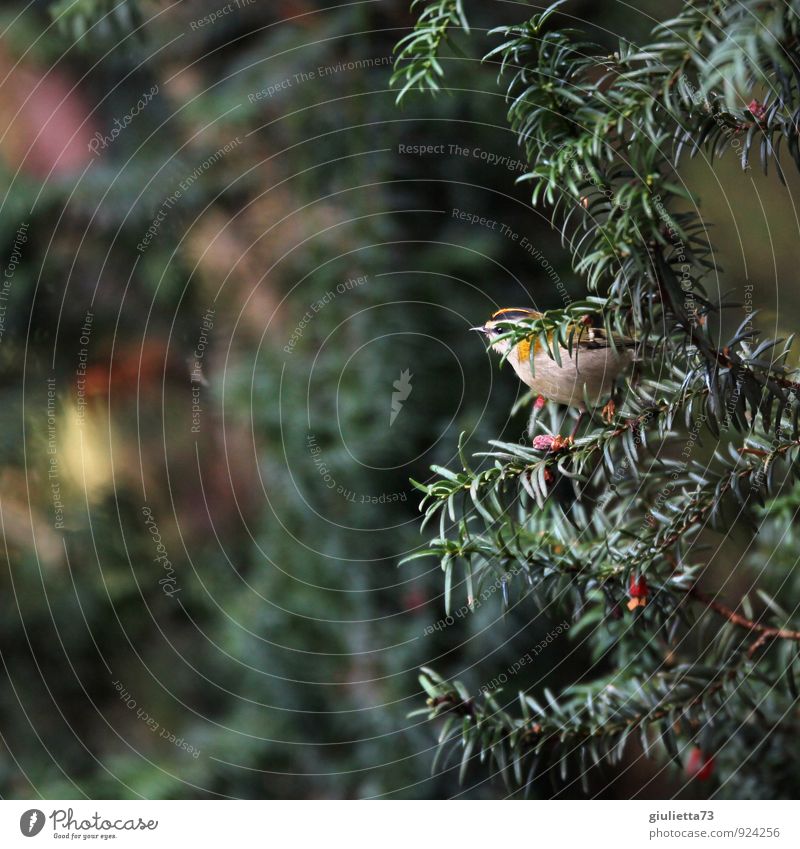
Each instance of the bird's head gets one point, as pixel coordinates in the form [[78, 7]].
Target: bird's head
[[498, 325]]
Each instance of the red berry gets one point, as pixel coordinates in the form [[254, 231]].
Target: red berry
[[638, 591], [413, 599], [638, 587], [757, 110], [699, 765]]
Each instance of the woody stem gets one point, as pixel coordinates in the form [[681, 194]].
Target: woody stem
[[765, 632]]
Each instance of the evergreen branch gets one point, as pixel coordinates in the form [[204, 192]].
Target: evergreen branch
[[417, 64], [593, 722], [547, 550], [765, 632], [85, 21], [596, 131]]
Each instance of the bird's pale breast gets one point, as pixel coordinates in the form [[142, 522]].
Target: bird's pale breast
[[589, 371]]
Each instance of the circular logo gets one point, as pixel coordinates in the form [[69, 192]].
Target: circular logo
[[31, 822]]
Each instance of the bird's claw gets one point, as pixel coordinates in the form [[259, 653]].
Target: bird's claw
[[553, 444]]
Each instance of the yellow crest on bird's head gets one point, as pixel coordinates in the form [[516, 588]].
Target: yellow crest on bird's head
[[514, 314], [507, 314]]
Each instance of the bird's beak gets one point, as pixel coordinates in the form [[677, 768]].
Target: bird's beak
[[479, 329]]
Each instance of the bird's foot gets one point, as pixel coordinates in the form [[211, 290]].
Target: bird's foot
[[608, 412], [539, 402], [553, 444]]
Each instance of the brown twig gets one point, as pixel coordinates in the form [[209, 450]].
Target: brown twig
[[765, 632]]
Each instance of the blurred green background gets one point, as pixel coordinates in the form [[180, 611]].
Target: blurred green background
[[221, 253]]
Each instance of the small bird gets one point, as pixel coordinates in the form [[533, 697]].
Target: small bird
[[588, 373]]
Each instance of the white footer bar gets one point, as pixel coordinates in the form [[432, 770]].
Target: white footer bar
[[400, 824]]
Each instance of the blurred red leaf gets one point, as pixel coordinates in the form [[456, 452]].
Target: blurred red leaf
[[49, 127]]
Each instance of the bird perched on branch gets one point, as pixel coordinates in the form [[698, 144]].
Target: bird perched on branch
[[583, 379]]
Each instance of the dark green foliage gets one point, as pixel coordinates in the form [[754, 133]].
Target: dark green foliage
[[94, 21], [290, 660], [603, 136], [418, 53]]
